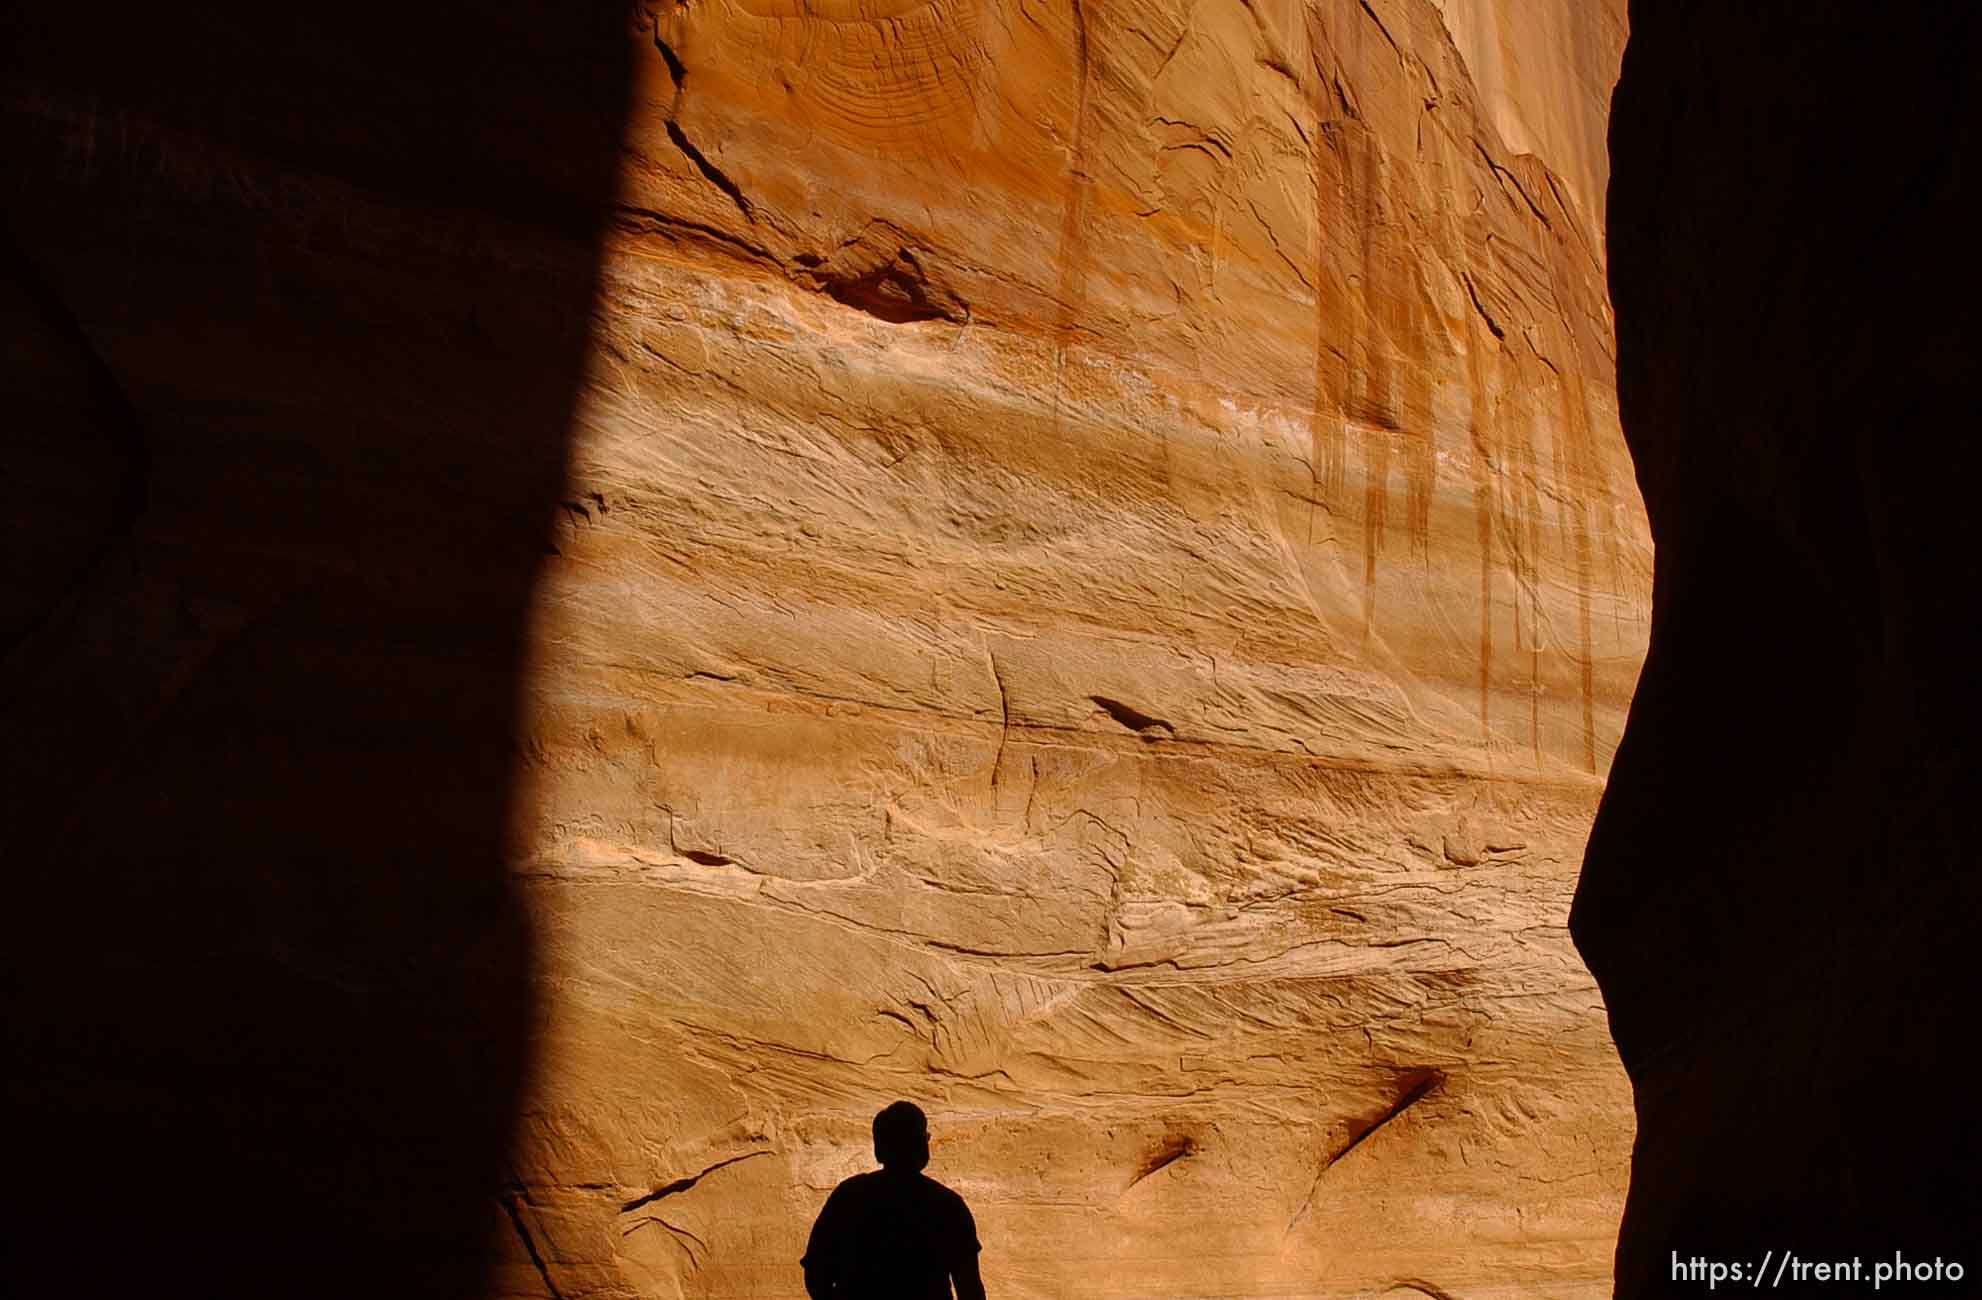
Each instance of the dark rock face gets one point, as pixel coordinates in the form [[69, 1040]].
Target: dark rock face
[[295, 302], [1780, 898]]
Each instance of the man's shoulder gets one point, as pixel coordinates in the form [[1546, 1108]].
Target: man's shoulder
[[880, 1184], [948, 1208], [854, 1185], [947, 1197], [930, 1187]]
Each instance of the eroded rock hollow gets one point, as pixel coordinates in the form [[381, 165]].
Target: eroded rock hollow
[[621, 595]]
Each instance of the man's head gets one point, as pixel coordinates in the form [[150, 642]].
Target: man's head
[[901, 1137]]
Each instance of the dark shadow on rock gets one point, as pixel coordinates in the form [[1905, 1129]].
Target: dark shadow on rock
[[296, 299], [1780, 897]]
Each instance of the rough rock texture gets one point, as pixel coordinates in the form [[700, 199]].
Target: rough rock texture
[[1098, 585], [1083, 572], [1781, 896]]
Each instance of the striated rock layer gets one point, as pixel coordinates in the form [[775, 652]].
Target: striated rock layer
[[1781, 896], [1081, 571], [1097, 588]]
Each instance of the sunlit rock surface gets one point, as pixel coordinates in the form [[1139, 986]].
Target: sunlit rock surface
[[1097, 587]]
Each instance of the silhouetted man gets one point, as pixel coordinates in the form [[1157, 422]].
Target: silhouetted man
[[894, 1234]]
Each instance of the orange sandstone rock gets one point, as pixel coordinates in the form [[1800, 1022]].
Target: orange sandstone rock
[[601, 599], [1098, 588]]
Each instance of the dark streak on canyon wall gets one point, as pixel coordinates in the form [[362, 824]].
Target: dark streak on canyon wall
[[295, 303], [1780, 897]]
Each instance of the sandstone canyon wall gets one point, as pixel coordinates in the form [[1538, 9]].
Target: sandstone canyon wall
[[295, 303], [1781, 895], [1081, 570], [1097, 592]]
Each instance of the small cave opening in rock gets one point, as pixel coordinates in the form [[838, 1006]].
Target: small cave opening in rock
[[894, 293]]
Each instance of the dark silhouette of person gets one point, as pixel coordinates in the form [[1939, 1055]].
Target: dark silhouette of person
[[895, 1233]]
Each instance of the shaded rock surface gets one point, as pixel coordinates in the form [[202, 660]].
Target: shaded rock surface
[[295, 303], [1080, 569], [1780, 896]]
